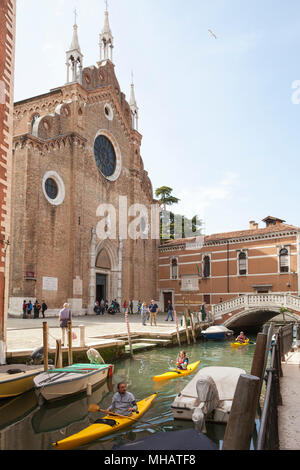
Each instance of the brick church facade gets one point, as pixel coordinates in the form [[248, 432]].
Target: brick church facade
[[77, 149]]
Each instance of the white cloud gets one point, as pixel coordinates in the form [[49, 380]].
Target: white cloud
[[196, 200]]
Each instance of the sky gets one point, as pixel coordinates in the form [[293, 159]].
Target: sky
[[220, 118]]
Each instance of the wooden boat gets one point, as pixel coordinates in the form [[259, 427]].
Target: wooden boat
[[61, 383], [237, 344], [103, 427], [16, 379], [174, 374]]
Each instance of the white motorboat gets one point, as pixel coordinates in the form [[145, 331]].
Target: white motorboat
[[208, 396], [61, 383], [217, 332]]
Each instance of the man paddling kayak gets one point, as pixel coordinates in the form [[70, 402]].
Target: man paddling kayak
[[123, 402]]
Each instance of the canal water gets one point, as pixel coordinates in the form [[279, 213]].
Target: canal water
[[26, 426]]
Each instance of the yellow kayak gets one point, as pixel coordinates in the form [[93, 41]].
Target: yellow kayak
[[237, 344], [173, 374], [98, 430]]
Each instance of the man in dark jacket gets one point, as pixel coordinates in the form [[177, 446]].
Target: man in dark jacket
[[44, 308]]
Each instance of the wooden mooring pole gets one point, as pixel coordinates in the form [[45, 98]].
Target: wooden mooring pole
[[177, 331], [186, 324], [193, 326], [45, 345], [70, 351], [241, 421], [128, 332], [258, 360], [58, 355]]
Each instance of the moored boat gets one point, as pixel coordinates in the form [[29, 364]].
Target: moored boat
[[103, 427], [175, 373], [208, 396], [16, 379], [217, 332], [57, 384]]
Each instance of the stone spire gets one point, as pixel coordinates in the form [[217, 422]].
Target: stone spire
[[134, 108], [74, 57], [106, 39]]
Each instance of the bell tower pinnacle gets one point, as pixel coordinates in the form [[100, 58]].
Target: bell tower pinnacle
[[106, 39], [74, 59], [133, 106]]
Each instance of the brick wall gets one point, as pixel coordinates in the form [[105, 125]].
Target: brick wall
[[7, 45]]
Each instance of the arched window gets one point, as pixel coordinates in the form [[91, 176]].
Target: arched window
[[242, 264], [34, 118], [284, 260], [174, 268], [206, 266]]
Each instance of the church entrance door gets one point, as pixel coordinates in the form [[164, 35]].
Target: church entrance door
[[101, 287]]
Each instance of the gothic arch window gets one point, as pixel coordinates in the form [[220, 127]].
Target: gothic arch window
[[242, 264], [284, 260], [206, 266], [174, 268]]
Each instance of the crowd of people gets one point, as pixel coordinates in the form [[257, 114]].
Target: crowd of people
[[35, 308]]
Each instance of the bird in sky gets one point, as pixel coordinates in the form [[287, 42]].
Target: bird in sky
[[213, 34]]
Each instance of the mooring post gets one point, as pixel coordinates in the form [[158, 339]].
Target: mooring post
[[241, 421], [45, 345], [258, 360], [186, 324], [82, 335], [58, 355], [193, 326], [177, 331], [128, 332], [70, 351]]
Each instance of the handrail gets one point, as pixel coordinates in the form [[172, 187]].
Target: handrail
[[256, 300]]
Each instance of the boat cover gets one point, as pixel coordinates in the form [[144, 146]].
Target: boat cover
[[225, 378], [217, 329], [188, 439]]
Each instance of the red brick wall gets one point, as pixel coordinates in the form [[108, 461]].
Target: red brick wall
[[7, 33]]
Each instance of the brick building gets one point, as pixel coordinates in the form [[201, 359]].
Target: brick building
[[7, 49], [77, 148], [226, 265]]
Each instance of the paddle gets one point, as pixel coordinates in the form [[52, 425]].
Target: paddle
[[95, 408]]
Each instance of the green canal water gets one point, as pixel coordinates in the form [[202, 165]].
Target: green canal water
[[26, 426]]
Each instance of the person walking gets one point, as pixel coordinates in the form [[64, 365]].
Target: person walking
[[131, 307], [170, 311], [125, 306], [44, 308], [35, 310], [153, 307], [24, 309], [144, 311], [102, 307], [65, 316], [139, 306], [97, 308]]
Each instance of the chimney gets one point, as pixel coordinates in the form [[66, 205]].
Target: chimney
[[253, 225]]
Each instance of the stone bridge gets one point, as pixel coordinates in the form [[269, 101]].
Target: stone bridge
[[251, 311]]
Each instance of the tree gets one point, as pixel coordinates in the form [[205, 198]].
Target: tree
[[165, 198]]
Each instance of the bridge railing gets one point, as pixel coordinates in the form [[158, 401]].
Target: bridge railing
[[256, 300]]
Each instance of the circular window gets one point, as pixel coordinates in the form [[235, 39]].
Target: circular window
[[107, 155], [53, 188], [108, 112]]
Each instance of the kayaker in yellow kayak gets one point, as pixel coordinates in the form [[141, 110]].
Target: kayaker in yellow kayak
[[123, 402], [182, 361], [241, 338]]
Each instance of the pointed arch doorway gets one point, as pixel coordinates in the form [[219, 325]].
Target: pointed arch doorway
[[103, 273]]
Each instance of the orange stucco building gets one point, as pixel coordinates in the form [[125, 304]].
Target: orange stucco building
[[223, 266]]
